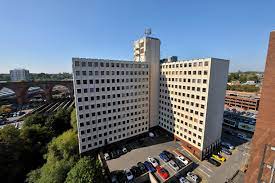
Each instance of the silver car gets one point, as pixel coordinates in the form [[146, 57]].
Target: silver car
[[174, 165], [193, 177]]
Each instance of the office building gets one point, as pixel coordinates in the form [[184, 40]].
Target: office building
[[262, 154], [191, 102], [120, 99], [246, 101], [112, 100], [19, 75]]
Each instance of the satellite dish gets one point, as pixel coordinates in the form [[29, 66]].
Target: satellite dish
[[148, 32]]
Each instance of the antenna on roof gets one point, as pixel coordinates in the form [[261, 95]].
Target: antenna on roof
[[147, 31]]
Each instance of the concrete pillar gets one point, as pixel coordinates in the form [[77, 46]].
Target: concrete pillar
[[21, 94]]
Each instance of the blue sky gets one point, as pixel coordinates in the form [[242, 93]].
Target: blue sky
[[43, 36]]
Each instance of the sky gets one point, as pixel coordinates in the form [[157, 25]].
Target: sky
[[43, 36]]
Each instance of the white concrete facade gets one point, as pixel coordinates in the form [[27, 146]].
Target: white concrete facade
[[147, 49], [112, 100], [19, 75], [191, 101]]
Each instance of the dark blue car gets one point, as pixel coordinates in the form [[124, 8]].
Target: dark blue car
[[164, 157], [149, 166], [226, 151]]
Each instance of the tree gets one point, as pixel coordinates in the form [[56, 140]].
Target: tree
[[12, 151], [35, 139], [59, 122], [74, 120], [85, 170], [34, 119], [61, 156]]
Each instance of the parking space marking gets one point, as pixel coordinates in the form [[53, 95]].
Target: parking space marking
[[203, 172], [206, 168]]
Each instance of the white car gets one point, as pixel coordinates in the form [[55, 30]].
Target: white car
[[183, 180], [193, 177], [106, 156], [129, 174], [124, 150], [153, 161], [228, 145], [151, 134], [183, 160], [174, 165]]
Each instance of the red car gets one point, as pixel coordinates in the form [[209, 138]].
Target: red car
[[162, 172]]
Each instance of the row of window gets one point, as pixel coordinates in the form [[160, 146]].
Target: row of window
[[191, 111], [205, 72], [102, 81], [169, 93], [107, 64], [107, 73], [111, 111], [113, 88], [182, 65], [164, 80], [192, 88], [113, 96], [110, 139]]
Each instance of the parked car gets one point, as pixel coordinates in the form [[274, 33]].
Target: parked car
[[183, 180], [129, 174], [142, 167], [183, 160], [124, 150], [153, 161], [164, 157], [193, 177], [226, 151], [218, 157], [114, 179], [136, 171], [106, 156], [151, 134], [242, 136], [168, 154], [162, 172], [214, 162], [149, 166], [119, 152], [227, 145], [173, 164]]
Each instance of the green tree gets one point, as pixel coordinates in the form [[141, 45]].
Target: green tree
[[61, 157], [59, 122], [35, 119], [12, 151], [86, 170], [74, 120]]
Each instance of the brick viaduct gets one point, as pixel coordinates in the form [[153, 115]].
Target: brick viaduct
[[21, 88]]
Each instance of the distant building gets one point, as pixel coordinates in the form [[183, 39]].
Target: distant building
[[243, 120], [245, 101], [19, 75]]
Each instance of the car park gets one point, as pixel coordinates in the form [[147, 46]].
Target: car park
[[183, 180], [226, 151], [151, 134], [214, 162], [129, 174], [173, 164], [162, 172], [149, 166], [193, 177], [218, 157], [153, 161], [142, 167], [164, 157], [183, 160], [114, 179], [106, 156]]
